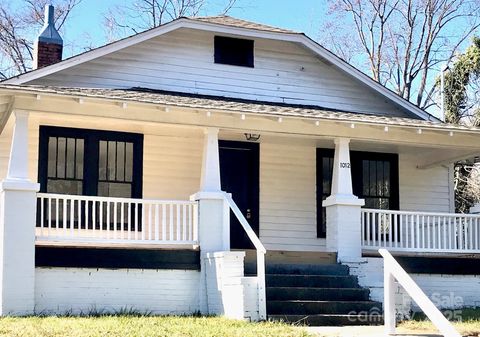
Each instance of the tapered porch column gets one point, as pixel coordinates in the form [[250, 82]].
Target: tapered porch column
[[214, 221], [17, 227], [343, 208]]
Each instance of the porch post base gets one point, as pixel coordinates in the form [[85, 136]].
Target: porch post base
[[223, 283], [343, 226], [17, 230]]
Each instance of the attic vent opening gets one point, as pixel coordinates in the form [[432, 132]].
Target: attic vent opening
[[235, 52]]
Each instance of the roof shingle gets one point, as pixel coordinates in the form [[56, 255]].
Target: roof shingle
[[234, 22], [195, 101]]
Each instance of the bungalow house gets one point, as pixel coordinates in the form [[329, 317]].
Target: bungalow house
[[222, 166]]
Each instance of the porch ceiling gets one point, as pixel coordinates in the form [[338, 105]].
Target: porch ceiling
[[435, 143]]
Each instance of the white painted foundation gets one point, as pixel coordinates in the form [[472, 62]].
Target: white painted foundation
[[83, 290], [445, 291]]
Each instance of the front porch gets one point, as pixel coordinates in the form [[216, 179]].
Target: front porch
[[178, 204]]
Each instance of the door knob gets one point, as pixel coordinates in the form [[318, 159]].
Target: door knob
[[249, 213]]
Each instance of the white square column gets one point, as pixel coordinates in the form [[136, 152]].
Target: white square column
[[343, 209], [17, 227]]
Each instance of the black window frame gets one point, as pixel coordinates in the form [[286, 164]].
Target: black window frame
[[92, 140], [356, 158], [234, 51]]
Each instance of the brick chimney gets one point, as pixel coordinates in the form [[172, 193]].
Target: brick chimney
[[49, 44]]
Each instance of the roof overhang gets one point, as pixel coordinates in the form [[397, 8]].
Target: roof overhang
[[438, 143], [299, 38]]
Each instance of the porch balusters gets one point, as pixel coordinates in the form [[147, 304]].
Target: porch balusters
[[420, 231], [88, 219]]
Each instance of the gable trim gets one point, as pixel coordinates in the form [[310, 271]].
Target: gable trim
[[222, 29]]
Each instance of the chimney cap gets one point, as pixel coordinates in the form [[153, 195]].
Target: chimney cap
[[49, 33]]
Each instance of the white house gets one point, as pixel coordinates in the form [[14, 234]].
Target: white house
[[121, 167]]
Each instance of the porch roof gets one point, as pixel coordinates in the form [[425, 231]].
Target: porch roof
[[233, 105]]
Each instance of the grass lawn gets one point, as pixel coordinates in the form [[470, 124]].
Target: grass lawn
[[138, 326], [468, 326]]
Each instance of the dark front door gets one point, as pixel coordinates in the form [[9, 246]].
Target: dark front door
[[239, 172]]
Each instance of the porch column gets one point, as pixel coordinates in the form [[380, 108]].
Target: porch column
[[343, 208], [214, 221], [17, 227]]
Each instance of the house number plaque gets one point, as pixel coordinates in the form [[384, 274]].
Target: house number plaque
[[344, 165]]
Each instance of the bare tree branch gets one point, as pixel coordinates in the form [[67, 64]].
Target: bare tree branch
[[19, 28], [402, 42]]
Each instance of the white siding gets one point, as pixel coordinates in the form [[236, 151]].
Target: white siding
[[172, 166], [287, 198], [81, 290], [183, 61], [424, 189]]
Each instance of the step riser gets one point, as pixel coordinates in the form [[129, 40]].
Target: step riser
[[314, 294], [312, 308], [311, 281], [330, 270], [327, 320]]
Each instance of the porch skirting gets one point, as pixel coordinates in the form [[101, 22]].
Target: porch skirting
[[447, 291], [88, 290]]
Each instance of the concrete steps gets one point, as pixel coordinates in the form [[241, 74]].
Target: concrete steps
[[318, 295]]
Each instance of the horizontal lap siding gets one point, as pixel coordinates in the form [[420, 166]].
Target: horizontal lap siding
[[287, 198], [83, 290], [424, 189], [172, 167], [183, 61]]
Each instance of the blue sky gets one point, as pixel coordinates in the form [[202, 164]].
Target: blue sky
[[299, 15]]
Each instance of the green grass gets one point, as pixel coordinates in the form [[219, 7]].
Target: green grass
[[142, 326], [468, 322]]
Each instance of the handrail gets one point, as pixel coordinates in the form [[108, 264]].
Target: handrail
[[262, 305], [114, 199], [392, 271], [388, 211], [246, 226]]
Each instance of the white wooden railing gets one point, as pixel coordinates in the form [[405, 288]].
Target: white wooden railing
[[392, 271], [88, 219], [261, 251], [420, 231]]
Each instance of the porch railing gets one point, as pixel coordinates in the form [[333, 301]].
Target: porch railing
[[88, 219], [420, 231]]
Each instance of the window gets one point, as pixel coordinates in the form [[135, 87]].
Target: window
[[232, 51], [90, 162], [374, 178]]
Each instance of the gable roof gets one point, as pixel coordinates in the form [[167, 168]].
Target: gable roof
[[228, 25], [226, 20]]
